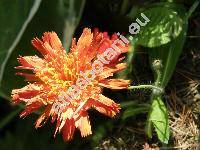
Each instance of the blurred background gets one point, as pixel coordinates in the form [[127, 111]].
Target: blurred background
[[172, 36]]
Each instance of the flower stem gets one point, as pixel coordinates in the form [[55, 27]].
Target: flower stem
[[145, 87]]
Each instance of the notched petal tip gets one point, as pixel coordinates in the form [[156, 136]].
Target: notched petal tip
[[83, 123]]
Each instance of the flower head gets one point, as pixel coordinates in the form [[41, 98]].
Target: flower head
[[57, 71]]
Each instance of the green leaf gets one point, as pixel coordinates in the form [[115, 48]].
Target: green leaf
[[133, 108], [192, 9], [54, 21], [129, 112], [133, 12], [164, 26], [158, 117], [9, 117], [169, 55], [129, 59], [128, 104], [24, 136], [14, 16], [71, 12]]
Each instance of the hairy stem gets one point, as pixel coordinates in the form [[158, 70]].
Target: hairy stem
[[145, 87]]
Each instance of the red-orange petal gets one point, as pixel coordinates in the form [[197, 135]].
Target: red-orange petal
[[68, 129], [53, 40], [30, 108], [30, 62], [108, 72], [115, 83], [43, 117], [83, 123], [108, 110], [25, 93], [84, 42]]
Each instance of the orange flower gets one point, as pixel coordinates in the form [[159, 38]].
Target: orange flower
[[57, 72]]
